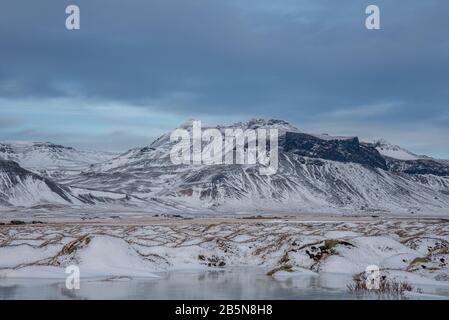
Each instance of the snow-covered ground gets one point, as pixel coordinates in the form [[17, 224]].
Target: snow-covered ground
[[410, 250]]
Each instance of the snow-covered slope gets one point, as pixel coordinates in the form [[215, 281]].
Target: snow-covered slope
[[158, 152], [316, 174], [22, 188], [390, 150], [49, 159], [400, 160]]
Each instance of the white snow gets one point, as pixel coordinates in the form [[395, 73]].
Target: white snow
[[393, 151], [121, 250], [50, 159], [112, 256], [29, 191]]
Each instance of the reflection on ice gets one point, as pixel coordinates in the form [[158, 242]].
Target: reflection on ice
[[234, 283]]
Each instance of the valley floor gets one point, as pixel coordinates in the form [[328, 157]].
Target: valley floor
[[407, 250]]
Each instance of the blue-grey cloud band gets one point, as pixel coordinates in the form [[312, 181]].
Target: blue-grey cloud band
[[311, 62]]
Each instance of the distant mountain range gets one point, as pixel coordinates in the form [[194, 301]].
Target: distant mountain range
[[49, 159], [317, 174]]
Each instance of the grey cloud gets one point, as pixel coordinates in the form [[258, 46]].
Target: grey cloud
[[299, 60], [6, 123]]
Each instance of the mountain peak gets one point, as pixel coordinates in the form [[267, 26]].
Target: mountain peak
[[266, 122], [281, 125], [390, 150], [188, 123]]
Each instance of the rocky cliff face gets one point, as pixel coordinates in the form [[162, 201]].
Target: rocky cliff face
[[335, 149], [420, 166]]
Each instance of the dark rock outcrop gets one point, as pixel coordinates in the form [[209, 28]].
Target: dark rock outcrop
[[342, 150]]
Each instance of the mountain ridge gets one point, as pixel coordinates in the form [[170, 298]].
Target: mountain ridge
[[50, 159], [317, 173]]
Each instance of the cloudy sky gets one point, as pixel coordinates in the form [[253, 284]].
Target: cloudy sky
[[138, 68]]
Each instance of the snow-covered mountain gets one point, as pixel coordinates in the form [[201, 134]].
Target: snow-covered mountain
[[22, 188], [401, 160], [50, 159], [390, 150], [317, 173]]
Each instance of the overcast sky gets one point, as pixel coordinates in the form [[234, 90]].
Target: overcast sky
[[138, 68]]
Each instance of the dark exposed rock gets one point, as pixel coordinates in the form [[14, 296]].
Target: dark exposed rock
[[17, 222], [37, 222], [420, 166], [213, 261], [342, 150]]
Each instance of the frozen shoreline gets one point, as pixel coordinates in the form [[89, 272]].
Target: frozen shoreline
[[230, 283], [405, 249]]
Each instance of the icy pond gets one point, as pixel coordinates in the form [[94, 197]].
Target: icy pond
[[237, 283]]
